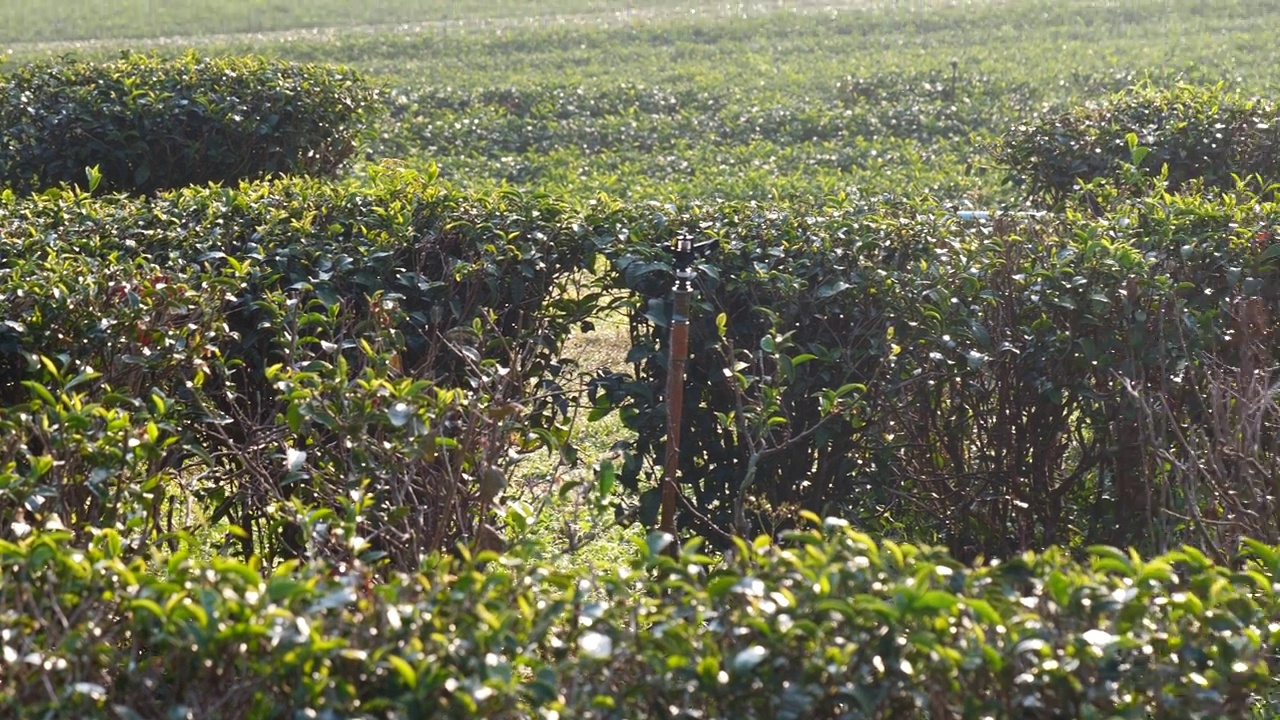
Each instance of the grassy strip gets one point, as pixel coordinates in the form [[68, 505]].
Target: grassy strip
[[78, 22], [114, 19]]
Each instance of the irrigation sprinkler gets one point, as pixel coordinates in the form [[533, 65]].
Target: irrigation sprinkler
[[685, 252], [984, 215]]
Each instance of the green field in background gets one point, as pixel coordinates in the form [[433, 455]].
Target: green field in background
[[664, 100], [106, 19]]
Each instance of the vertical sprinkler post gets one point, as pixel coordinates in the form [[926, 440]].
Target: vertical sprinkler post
[[678, 353]]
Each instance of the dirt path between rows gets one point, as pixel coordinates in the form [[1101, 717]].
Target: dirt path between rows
[[611, 18]]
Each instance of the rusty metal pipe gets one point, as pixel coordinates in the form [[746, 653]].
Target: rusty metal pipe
[[678, 354]]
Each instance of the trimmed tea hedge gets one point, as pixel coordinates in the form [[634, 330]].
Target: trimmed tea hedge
[[292, 340], [150, 123], [992, 387], [1206, 134], [822, 625]]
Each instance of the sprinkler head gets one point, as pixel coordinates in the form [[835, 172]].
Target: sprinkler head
[[686, 251]]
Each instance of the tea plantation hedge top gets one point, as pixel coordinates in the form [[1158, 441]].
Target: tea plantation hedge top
[[150, 123], [824, 624], [1184, 134]]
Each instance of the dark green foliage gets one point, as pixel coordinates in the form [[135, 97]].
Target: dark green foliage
[[290, 341], [793, 318], [994, 387], [824, 625], [1206, 134], [150, 123]]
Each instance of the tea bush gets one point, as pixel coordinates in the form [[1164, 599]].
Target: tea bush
[[992, 387], [150, 123], [688, 139], [824, 624], [1206, 134], [332, 373], [538, 119], [289, 340]]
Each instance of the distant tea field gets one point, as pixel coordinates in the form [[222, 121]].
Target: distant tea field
[[114, 19], [666, 100], [46, 22]]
